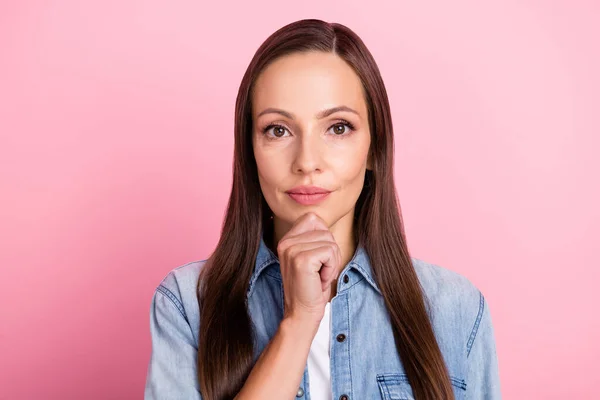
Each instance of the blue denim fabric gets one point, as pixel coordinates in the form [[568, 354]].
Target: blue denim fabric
[[366, 364]]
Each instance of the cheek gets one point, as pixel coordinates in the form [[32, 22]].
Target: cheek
[[350, 167], [271, 174], [350, 176], [267, 168]]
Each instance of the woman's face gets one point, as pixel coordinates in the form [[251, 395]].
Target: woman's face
[[294, 145]]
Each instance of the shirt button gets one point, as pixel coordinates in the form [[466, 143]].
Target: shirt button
[[340, 338], [300, 392], [346, 279], [344, 397]]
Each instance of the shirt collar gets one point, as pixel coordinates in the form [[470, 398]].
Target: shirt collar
[[267, 260]]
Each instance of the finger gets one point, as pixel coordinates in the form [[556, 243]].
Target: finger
[[307, 222], [337, 269], [326, 256], [319, 235], [314, 249]]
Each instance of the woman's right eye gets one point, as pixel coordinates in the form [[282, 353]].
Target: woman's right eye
[[278, 130]]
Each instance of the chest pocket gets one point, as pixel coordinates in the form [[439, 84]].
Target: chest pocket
[[397, 387]]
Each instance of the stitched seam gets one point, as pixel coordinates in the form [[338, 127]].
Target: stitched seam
[[476, 326], [380, 386], [306, 382], [362, 278], [274, 276], [258, 271], [162, 289], [349, 338], [367, 277], [387, 389], [191, 262], [460, 383]]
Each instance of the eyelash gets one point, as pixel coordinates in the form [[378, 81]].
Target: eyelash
[[348, 124]]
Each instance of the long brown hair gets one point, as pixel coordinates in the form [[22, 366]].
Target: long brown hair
[[225, 346]]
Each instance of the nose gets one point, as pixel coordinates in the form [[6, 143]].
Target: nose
[[308, 154]]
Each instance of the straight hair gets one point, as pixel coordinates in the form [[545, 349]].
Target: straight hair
[[225, 345]]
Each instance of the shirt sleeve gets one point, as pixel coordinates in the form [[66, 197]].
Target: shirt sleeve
[[483, 379], [172, 370]]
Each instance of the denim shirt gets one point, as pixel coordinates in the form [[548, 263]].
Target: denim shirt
[[364, 363]]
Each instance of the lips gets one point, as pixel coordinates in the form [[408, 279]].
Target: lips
[[308, 190], [308, 199], [308, 195]]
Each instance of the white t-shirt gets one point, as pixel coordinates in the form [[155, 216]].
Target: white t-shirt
[[318, 360]]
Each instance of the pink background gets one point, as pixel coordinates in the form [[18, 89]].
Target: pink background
[[116, 144]]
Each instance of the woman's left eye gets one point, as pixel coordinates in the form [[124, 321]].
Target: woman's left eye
[[336, 128]]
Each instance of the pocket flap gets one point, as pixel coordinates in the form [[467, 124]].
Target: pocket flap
[[395, 386]]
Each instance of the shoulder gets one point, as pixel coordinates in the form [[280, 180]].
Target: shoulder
[[179, 286], [179, 279], [462, 323], [444, 284], [174, 333], [452, 298]]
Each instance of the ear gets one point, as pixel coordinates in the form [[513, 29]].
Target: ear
[[369, 162]]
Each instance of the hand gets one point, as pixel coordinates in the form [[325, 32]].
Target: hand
[[310, 260]]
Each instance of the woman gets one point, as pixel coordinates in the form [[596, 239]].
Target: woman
[[311, 292]]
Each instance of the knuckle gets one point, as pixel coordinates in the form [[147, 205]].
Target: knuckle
[[282, 245], [299, 260], [290, 253]]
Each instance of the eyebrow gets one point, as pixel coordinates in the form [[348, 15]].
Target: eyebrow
[[320, 115]]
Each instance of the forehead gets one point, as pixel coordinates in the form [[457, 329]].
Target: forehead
[[305, 83]]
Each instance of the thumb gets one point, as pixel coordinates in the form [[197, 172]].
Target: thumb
[[325, 275]]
